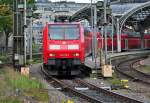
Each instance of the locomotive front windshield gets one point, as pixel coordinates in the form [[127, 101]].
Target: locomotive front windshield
[[63, 32]]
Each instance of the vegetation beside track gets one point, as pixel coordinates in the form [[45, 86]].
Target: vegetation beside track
[[4, 58], [145, 68], [114, 81], [35, 61], [16, 88]]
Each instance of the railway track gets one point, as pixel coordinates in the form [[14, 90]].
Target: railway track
[[5, 64], [126, 68], [89, 92], [136, 65]]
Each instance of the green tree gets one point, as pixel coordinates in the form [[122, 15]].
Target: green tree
[[31, 2], [6, 2], [6, 18]]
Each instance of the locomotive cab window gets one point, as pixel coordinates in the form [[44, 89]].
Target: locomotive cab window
[[61, 32]]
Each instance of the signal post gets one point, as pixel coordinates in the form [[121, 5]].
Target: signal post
[[105, 7]]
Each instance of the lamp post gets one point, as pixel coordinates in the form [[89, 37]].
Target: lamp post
[[105, 30], [92, 24], [118, 37], [95, 31], [31, 38], [25, 24], [29, 15], [112, 34]]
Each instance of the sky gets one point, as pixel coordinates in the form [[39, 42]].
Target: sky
[[78, 1]]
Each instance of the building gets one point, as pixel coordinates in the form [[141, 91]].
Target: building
[[47, 12]]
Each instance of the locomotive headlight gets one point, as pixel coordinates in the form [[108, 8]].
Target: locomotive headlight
[[54, 47], [51, 55], [76, 54], [72, 47]]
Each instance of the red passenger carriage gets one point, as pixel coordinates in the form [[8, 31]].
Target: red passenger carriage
[[65, 46]]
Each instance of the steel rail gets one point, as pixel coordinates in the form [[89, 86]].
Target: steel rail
[[130, 68], [107, 92], [142, 73], [72, 90], [93, 87]]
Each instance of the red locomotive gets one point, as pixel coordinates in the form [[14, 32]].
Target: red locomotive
[[63, 48]]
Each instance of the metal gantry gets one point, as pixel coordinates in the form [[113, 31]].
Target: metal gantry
[[18, 33]]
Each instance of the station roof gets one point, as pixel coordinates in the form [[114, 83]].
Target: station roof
[[117, 9], [131, 12], [138, 17], [120, 9]]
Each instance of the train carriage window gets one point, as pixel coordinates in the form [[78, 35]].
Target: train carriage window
[[61, 32], [87, 31]]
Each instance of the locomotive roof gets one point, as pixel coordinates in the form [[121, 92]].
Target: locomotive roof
[[65, 23]]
